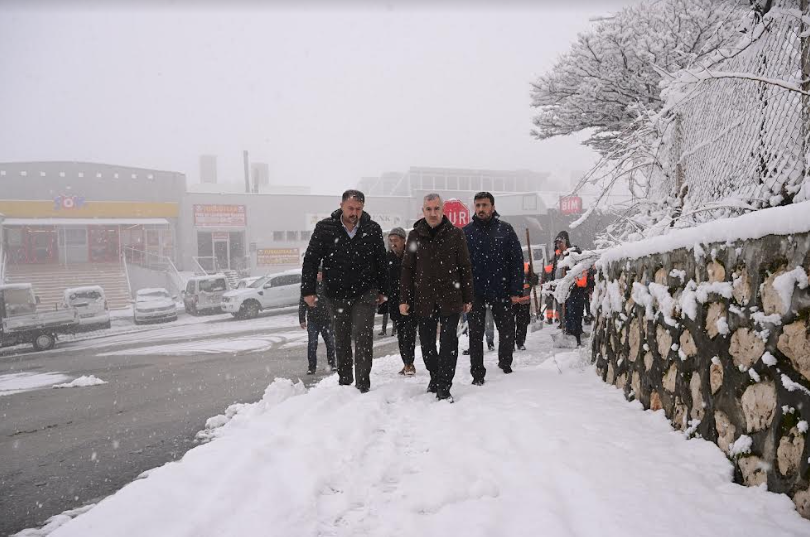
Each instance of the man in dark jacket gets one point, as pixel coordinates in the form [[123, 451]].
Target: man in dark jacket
[[497, 264], [350, 246], [437, 281], [317, 321], [404, 326]]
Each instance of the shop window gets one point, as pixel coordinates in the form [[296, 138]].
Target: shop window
[[292, 236], [306, 235], [278, 236]]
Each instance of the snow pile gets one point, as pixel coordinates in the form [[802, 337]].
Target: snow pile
[[549, 450], [741, 446], [785, 283], [81, 382], [21, 382]]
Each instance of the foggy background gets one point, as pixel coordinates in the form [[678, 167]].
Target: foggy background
[[324, 93]]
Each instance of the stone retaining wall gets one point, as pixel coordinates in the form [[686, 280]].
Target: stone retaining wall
[[718, 337]]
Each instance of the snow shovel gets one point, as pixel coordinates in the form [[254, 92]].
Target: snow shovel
[[561, 340], [534, 326]]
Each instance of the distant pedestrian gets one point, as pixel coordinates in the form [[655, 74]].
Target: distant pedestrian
[[436, 287], [404, 326], [552, 307], [350, 246], [317, 321], [575, 303], [523, 309], [497, 263]]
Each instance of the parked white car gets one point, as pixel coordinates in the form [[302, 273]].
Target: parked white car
[[204, 293], [271, 291], [91, 304], [154, 304], [245, 282]]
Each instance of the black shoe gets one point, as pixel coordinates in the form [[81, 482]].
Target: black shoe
[[478, 382], [521, 347], [382, 333], [444, 395], [549, 321], [465, 352], [344, 382], [311, 371], [431, 387], [363, 389], [506, 368], [490, 346]]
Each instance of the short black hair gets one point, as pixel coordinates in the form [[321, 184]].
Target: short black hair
[[482, 195], [356, 194]]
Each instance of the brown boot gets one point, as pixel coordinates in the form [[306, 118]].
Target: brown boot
[[410, 370], [404, 370]]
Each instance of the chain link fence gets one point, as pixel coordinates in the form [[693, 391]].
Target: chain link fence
[[740, 136]]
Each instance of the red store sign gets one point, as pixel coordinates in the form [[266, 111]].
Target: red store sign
[[220, 216], [570, 205]]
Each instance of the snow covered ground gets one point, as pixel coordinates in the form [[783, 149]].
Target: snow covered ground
[[549, 450]]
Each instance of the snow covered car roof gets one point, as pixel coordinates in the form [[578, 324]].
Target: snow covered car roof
[[84, 289], [151, 290], [207, 277], [13, 286]]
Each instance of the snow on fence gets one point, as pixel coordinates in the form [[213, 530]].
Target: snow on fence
[[712, 325], [740, 129]]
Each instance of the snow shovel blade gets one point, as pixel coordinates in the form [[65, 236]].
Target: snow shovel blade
[[462, 327], [536, 324], [563, 341]]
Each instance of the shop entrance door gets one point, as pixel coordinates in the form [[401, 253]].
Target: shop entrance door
[[74, 244], [40, 244], [103, 244], [222, 255]]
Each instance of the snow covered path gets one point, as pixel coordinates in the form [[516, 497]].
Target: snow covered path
[[538, 452]]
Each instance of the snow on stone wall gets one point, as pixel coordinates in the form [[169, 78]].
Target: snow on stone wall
[[717, 335]]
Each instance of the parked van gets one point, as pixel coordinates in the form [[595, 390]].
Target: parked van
[[91, 304], [204, 293], [271, 291]]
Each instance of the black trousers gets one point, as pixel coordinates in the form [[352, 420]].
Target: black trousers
[[523, 314], [440, 364], [405, 327], [354, 320], [504, 322]]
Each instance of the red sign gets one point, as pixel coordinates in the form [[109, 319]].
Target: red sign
[[457, 213], [571, 205], [219, 216]]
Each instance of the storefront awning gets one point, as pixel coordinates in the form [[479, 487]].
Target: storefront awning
[[84, 221]]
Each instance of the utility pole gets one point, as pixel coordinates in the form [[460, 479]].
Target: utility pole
[[804, 6], [246, 160]]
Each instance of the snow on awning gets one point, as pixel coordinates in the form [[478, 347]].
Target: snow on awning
[[84, 221]]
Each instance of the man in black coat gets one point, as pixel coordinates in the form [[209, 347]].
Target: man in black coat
[[404, 325], [317, 321], [497, 265], [350, 246]]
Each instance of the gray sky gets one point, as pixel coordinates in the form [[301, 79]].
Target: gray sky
[[325, 93]]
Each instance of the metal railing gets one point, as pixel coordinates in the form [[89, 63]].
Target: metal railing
[[155, 261], [209, 264]]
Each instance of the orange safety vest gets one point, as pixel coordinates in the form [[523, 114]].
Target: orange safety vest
[[582, 281]]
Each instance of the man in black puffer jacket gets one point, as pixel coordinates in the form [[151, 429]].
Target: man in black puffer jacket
[[497, 266], [350, 245]]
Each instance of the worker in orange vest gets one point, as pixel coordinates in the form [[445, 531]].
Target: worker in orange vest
[[552, 308], [577, 295], [522, 308]]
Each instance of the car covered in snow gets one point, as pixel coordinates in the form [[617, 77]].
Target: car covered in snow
[[91, 304], [154, 304], [204, 293], [22, 322], [270, 291], [245, 282]]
